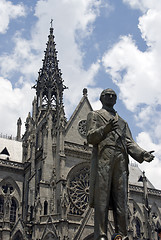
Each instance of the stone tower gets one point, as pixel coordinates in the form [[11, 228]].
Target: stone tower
[[46, 143]]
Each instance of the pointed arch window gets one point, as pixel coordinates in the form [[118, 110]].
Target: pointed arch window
[[50, 236], [45, 208], [18, 236], [39, 174], [31, 212], [158, 226], [1, 205], [138, 228], [13, 211]]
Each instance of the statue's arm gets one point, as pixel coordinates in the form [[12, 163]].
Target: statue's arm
[[135, 151], [95, 134]]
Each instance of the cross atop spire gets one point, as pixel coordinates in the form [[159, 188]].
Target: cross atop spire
[[51, 22]]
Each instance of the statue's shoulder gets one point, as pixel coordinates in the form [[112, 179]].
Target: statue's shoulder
[[122, 123], [96, 112], [101, 111], [121, 119]]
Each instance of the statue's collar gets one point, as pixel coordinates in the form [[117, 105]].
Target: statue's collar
[[109, 109]]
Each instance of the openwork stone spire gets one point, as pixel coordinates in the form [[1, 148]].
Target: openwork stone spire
[[49, 86]]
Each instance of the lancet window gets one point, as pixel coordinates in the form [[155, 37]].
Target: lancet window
[[138, 228], [1, 205], [13, 211], [45, 208]]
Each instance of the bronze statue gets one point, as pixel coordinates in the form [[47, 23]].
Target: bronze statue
[[112, 142]]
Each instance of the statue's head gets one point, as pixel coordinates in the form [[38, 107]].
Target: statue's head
[[108, 97]]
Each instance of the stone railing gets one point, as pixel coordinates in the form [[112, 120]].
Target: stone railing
[[76, 146], [78, 150], [10, 137], [152, 191], [9, 163]]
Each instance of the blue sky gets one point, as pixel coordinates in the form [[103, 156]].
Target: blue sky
[[101, 44]]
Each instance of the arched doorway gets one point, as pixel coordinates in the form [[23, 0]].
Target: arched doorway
[[50, 236], [18, 236], [89, 237]]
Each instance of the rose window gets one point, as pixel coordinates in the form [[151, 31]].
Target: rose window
[[78, 188], [82, 128]]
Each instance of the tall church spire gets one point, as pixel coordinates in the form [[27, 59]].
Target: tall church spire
[[49, 86]]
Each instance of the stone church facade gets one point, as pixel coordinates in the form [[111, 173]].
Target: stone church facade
[[44, 192]]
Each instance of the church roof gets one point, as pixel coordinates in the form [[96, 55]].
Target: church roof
[[13, 148], [79, 106], [134, 175]]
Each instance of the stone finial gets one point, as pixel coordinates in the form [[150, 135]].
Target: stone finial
[[19, 123], [85, 92], [34, 103]]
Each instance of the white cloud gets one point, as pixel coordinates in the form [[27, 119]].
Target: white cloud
[[9, 11], [149, 25], [134, 72], [138, 75], [152, 169], [143, 5], [22, 60], [15, 103]]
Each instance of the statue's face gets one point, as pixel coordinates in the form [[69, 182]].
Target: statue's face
[[109, 99]]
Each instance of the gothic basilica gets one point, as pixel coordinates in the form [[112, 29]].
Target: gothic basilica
[[44, 174]]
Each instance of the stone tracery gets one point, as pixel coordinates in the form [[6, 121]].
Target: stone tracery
[[78, 189]]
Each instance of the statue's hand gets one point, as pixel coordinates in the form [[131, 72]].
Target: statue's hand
[[148, 156], [112, 125]]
